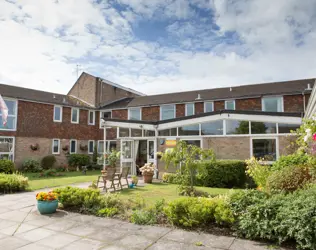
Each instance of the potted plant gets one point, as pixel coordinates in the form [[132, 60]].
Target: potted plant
[[159, 155], [47, 202], [34, 147], [111, 159], [148, 172], [134, 180]]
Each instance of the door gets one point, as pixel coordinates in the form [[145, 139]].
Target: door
[[127, 155], [151, 151]]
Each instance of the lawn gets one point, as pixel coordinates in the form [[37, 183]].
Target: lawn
[[36, 182], [157, 191]]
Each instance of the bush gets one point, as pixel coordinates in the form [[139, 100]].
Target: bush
[[6, 166], [108, 212], [176, 178], [198, 212], [78, 160], [191, 191], [143, 217], [295, 159], [50, 173], [48, 161], [31, 165], [289, 179], [10, 183], [258, 171]]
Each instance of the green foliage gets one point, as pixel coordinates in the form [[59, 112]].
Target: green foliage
[[50, 173], [31, 166], [108, 212], [289, 179], [295, 159], [78, 160], [10, 183], [48, 161], [176, 178], [143, 217], [113, 158], [191, 191], [258, 171], [198, 212], [304, 133], [134, 179], [6, 166]]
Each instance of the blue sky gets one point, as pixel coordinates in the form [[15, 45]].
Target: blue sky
[[156, 46]]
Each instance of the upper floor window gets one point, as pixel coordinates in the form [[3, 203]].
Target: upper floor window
[[167, 112], [58, 113], [208, 107], [272, 104], [56, 146], [134, 113], [91, 117], [105, 114], [230, 105], [74, 115], [73, 146], [12, 115], [189, 109]]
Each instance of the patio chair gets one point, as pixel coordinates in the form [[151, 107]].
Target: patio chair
[[123, 175], [108, 177]]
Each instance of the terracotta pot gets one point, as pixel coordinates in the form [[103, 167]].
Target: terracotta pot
[[148, 178]]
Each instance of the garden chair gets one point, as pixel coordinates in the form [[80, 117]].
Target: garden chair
[[108, 177], [123, 175]]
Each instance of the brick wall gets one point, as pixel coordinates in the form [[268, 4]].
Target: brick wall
[[180, 110], [151, 113], [120, 114], [293, 103], [219, 105], [249, 104], [199, 108]]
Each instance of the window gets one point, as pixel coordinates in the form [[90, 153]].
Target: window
[[208, 107], [105, 114], [212, 128], [90, 147], [168, 132], [7, 148], [230, 105], [73, 146], [134, 114], [58, 113], [189, 130], [74, 115], [287, 128], [167, 112], [263, 128], [91, 117], [12, 115], [110, 145], [149, 133], [272, 104], [264, 149], [193, 142], [56, 146], [189, 109], [234, 127], [136, 132], [124, 132]]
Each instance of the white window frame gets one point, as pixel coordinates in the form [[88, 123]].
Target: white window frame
[[230, 101], [276, 138], [89, 152], [278, 96], [72, 110], [70, 146], [61, 113], [56, 153], [107, 145], [15, 116], [205, 106], [186, 108], [93, 123], [192, 139], [100, 116], [13, 147], [134, 108], [160, 110]]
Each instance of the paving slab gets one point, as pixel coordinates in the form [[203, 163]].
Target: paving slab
[[107, 234], [84, 244], [20, 228], [215, 241], [11, 243], [182, 236], [82, 230], [83, 218], [240, 244], [58, 240], [36, 234], [62, 225], [172, 245], [154, 232], [106, 222], [7, 223], [14, 215], [136, 242], [34, 246]]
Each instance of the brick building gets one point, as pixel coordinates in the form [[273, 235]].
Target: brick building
[[237, 122]]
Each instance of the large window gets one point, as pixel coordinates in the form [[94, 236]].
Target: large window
[[105, 114], [189, 109], [124, 132], [7, 148], [208, 107], [74, 115], [189, 130], [134, 113], [90, 147], [230, 105], [91, 117], [12, 115], [58, 113], [193, 142], [136, 132], [168, 132], [272, 104], [56, 146], [287, 128], [264, 149], [149, 133], [167, 112], [234, 127], [110, 145], [263, 128], [212, 128], [73, 146]]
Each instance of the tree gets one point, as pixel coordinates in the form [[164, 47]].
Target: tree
[[188, 156]]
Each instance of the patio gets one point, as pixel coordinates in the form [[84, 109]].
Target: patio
[[22, 227]]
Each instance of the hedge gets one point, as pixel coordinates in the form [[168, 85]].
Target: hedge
[[10, 183]]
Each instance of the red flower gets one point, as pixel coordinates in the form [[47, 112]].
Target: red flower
[[314, 137]]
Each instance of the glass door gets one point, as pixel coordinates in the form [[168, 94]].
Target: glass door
[[127, 155], [151, 151]]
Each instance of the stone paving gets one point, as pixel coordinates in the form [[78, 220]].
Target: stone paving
[[22, 227]]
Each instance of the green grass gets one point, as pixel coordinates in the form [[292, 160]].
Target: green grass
[[36, 182], [157, 191]]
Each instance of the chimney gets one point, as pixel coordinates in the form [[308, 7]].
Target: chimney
[[198, 97], [54, 96], [230, 89], [309, 86]]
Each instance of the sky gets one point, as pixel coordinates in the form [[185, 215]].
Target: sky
[[156, 46]]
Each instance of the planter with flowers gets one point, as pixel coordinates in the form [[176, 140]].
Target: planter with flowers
[[47, 202], [148, 171], [111, 159]]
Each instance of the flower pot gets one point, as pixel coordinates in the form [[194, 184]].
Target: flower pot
[[148, 178], [47, 207]]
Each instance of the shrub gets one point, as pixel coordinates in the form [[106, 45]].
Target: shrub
[[108, 212], [143, 217], [289, 178], [31, 165], [10, 183], [6, 166], [176, 178], [48, 161], [198, 212], [78, 160], [49, 173], [258, 171], [224, 174], [295, 159], [191, 191]]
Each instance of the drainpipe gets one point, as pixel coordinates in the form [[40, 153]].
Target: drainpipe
[[155, 156]]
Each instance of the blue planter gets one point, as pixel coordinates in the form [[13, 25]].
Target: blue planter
[[47, 207]]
